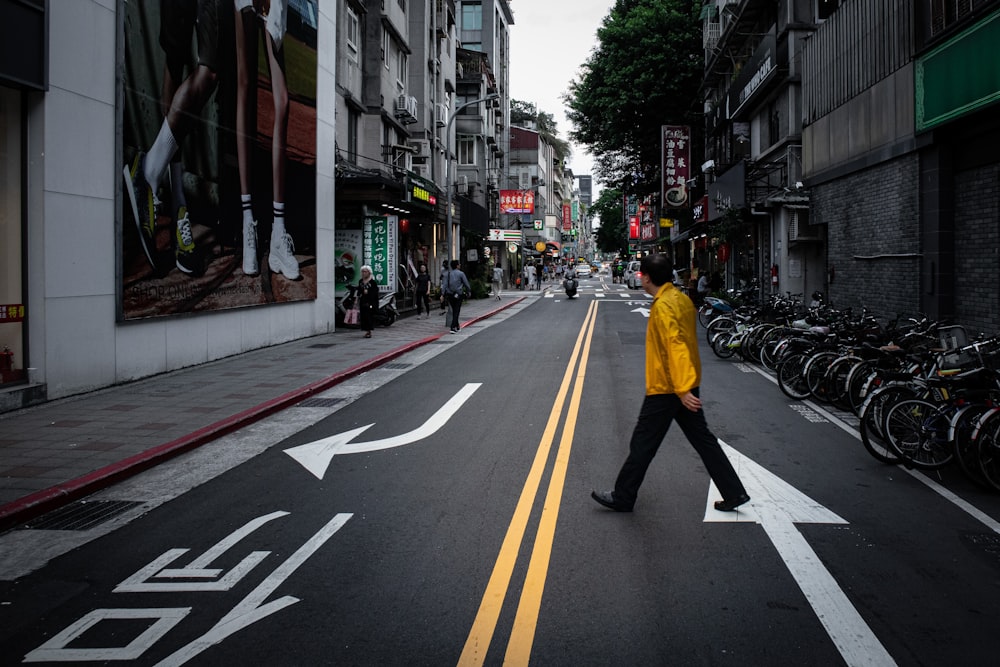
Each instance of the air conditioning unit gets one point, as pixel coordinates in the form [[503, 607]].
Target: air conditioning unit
[[405, 109], [802, 232], [421, 170], [463, 185], [441, 114], [422, 147]]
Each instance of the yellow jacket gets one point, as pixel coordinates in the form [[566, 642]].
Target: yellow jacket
[[672, 362]]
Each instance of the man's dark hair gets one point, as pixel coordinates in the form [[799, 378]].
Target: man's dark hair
[[657, 267], [454, 264]]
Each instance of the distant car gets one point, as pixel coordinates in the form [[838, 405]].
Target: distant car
[[582, 270], [633, 276]]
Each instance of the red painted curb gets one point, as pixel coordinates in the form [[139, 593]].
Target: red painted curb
[[24, 509]]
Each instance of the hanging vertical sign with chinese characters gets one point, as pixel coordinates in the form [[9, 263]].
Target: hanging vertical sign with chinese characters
[[676, 165], [380, 249]]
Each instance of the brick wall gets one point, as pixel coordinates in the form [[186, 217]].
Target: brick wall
[[977, 244], [873, 236]]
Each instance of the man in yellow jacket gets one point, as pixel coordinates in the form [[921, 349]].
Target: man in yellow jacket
[[673, 376]]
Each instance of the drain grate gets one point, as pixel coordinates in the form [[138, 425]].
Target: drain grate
[[322, 346], [81, 515], [319, 402], [396, 367]]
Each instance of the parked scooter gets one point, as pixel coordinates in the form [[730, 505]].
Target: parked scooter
[[384, 316], [386, 313]]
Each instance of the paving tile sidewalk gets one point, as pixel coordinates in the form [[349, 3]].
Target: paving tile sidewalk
[[57, 452]]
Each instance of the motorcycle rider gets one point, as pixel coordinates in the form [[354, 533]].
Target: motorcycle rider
[[569, 282]]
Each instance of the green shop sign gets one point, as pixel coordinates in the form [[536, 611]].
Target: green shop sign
[[960, 76]]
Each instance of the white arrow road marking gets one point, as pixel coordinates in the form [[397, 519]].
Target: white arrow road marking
[[644, 311], [776, 505], [316, 456]]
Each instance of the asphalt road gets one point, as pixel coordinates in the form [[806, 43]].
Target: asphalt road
[[440, 514]]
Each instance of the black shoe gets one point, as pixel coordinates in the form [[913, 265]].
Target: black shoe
[[730, 505], [607, 498]]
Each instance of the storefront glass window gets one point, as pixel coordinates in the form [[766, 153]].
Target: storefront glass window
[[11, 297]]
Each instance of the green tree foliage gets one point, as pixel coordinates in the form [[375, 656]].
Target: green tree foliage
[[522, 113], [612, 234], [645, 72]]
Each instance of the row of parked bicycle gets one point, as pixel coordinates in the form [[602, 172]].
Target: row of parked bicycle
[[925, 395]]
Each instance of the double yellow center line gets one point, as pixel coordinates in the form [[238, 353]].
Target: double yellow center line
[[526, 619]]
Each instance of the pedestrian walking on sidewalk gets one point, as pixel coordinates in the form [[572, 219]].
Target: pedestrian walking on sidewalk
[[423, 291], [673, 376], [367, 300], [445, 307], [497, 281], [456, 286]]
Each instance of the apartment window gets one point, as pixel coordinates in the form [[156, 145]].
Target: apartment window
[[773, 124], [386, 41], [401, 60], [472, 16], [353, 31], [467, 150], [945, 13]]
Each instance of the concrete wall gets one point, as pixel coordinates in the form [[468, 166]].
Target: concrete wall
[[869, 125], [73, 175]]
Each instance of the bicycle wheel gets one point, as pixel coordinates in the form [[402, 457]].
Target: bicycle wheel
[[814, 373], [857, 380], [724, 344], [790, 379], [989, 451], [754, 341], [871, 414], [964, 431], [917, 430], [717, 326], [836, 381]]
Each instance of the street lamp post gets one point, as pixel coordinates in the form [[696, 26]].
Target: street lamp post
[[449, 186]]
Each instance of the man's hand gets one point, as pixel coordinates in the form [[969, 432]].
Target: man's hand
[[690, 401]]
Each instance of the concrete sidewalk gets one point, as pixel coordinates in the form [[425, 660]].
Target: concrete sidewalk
[[63, 450]]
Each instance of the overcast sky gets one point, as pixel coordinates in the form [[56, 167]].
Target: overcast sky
[[550, 39]]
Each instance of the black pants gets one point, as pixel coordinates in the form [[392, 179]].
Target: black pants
[[456, 305], [423, 303], [655, 416]]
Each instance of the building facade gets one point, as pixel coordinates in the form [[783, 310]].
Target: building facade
[[848, 149], [900, 125], [103, 298], [757, 200]]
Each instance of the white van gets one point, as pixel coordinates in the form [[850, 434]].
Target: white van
[[633, 275]]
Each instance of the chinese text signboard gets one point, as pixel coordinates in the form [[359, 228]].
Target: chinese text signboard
[[379, 246], [517, 201], [676, 165], [11, 312]]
